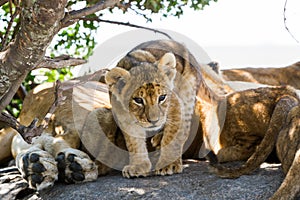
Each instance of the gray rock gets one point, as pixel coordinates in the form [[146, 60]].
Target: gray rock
[[196, 182]]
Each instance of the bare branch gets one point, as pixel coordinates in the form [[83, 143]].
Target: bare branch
[[73, 16], [27, 132], [59, 98], [16, 30], [60, 62], [22, 92], [127, 24], [96, 76], [123, 6], [2, 2], [285, 24], [13, 16], [31, 131]]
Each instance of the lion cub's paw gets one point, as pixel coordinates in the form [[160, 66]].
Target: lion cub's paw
[[38, 167], [75, 166], [173, 168], [142, 169]]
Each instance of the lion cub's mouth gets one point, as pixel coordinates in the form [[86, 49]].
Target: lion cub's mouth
[[151, 127]]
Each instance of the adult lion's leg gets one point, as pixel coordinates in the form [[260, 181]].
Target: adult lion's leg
[[242, 150], [288, 150], [263, 150], [6, 136], [73, 164], [36, 165]]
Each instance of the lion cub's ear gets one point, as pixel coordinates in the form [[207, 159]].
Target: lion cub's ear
[[115, 74], [167, 64]]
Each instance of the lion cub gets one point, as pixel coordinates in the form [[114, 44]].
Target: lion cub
[[152, 92]]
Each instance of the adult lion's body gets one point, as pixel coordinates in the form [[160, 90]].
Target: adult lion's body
[[256, 121], [242, 133], [270, 76], [56, 150]]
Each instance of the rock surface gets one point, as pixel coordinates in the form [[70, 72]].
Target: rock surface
[[196, 182]]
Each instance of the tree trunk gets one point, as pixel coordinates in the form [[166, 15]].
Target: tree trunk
[[40, 22]]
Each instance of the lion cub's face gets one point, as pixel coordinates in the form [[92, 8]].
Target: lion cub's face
[[149, 104], [144, 92]]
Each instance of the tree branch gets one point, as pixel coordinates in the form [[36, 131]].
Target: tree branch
[[60, 62], [39, 23], [31, 131], [2, 2], [59, 98], [73, 16], [127, 24], [13, 16], [27, 132], [284, 20]]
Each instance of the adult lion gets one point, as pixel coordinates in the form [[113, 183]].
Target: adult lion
[[39, 166], [289, 75]]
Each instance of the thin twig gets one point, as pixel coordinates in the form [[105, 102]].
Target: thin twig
[[27, 132], [2, 2], [82, 80], [59, 98], [13, 16], [284, 20], [60, 62], [10, 7], [31, 131], [73, 16], [16, 30], [127, 24]]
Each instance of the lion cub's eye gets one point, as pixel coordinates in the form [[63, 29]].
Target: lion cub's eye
[[138, 100], [161, 98]]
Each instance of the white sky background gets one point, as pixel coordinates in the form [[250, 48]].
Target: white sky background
[[235, 33]]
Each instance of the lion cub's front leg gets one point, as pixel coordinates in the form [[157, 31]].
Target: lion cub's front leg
[[169, 161], [170, 142], [139, 162]]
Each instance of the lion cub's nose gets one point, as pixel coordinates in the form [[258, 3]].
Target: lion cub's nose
[[153, 121]]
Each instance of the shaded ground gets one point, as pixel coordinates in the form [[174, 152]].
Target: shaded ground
[[194, 183]]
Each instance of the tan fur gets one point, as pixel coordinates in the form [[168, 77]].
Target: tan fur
[[289, 75], [242, 108], [6, 136], [61, 139], [256, 121], [148, 80]]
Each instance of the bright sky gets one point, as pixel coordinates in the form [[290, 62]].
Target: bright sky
[[235, 33]]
